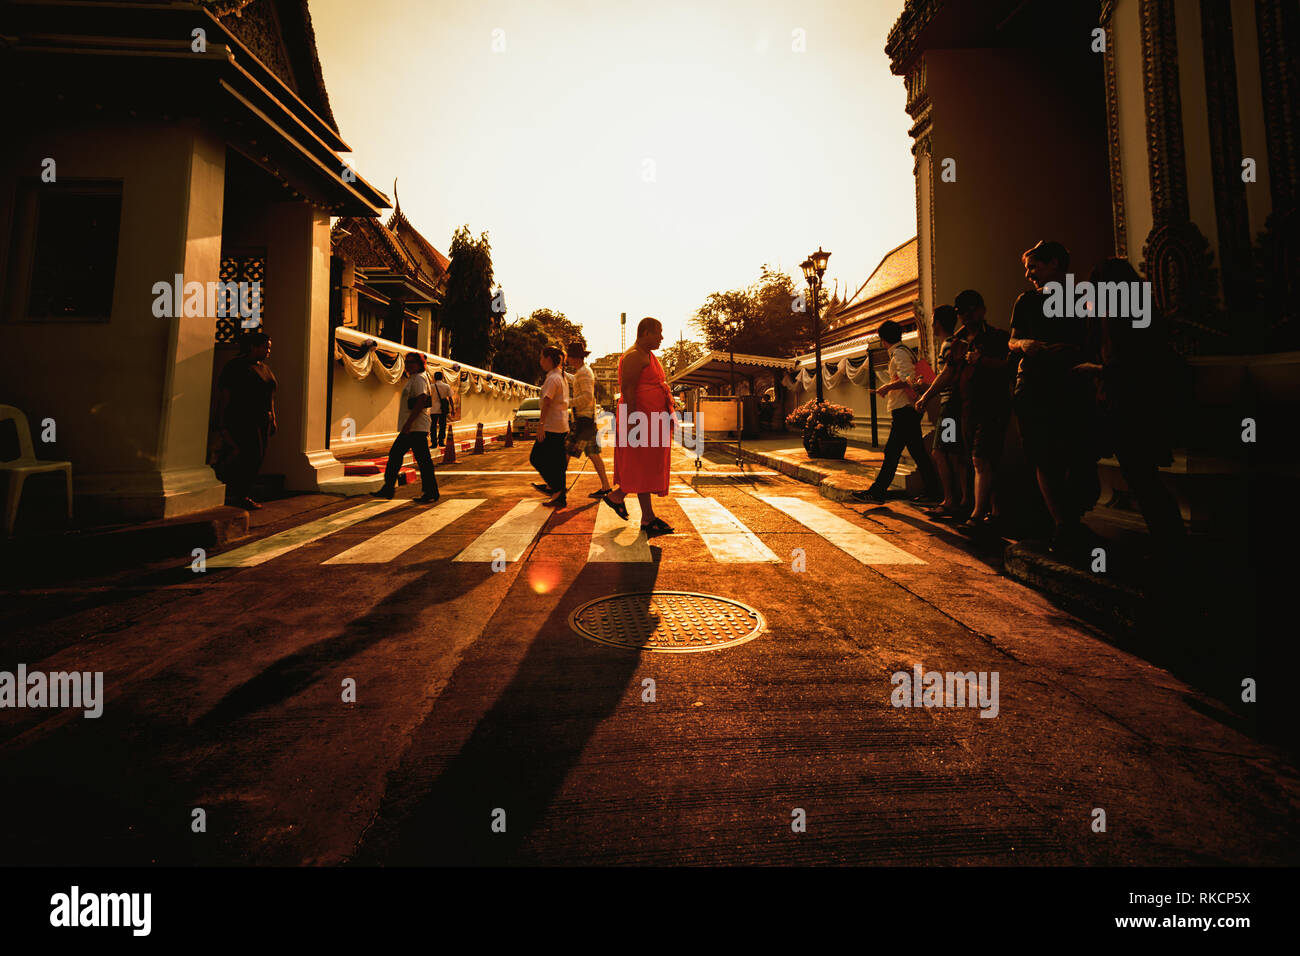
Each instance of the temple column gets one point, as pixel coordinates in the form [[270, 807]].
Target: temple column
[[297, 319]]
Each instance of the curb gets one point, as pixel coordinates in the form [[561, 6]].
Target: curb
[[129, 545], [829, 484], [1108, 603]]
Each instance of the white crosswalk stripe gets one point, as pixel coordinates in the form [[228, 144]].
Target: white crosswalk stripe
[[859, 543], [510, 536], [284, 542], [616, 540], [613, 540], [392, 543], [727, 539]]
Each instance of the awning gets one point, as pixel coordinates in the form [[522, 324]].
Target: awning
[[716, 368]]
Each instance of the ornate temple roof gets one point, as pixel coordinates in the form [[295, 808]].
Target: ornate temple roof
[[280, 34]]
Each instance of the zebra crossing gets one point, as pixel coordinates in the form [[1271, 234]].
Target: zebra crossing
[[613, 540]]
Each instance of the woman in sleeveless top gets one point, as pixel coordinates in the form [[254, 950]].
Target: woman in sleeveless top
[[643, 442]]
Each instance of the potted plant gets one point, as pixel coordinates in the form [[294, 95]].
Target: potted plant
[[820, 423]]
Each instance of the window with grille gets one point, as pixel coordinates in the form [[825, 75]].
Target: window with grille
[[236, 268]]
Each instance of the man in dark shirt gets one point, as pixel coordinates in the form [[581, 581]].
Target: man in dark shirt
[[246, 416], [1051, 401]]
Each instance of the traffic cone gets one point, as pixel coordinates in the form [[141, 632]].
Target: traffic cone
[[478, 440], [510, 437], [449, 451]]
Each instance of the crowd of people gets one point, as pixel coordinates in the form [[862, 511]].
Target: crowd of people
[[1079, 388]]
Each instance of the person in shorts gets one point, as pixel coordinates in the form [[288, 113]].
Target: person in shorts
[[986, 403], [585, 438], [951, 456]]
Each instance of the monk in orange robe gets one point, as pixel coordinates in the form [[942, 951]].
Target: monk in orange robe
[[644, 427]]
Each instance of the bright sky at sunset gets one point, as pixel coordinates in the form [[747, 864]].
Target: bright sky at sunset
[[754, 152]]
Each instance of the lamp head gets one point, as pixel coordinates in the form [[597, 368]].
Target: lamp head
[[809, 270], [819, 260]]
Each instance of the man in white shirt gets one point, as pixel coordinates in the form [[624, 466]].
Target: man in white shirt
[[412, 432], [441, 410], [905, 424], [548, 455], [584, 437]]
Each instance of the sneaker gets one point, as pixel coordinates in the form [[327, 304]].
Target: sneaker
[[870, 497], [428, 499], [384, 492]]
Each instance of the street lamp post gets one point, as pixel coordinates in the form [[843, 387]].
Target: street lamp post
[[814, 267], [733, 326]]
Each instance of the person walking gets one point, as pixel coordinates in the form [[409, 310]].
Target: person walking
[[584, 435], [245, 417], [413, 423], [443, 407], [905, 424], [549, 456], [642, 451]]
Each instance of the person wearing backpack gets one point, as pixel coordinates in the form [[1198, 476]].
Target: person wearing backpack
[[905, 425], [440, 411]]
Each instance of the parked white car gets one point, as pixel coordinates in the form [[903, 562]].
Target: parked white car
[[526, 417]]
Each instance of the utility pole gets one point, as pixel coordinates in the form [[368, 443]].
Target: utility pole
[[622, 332]]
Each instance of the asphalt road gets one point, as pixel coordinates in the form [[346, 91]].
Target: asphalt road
[[485, 730]]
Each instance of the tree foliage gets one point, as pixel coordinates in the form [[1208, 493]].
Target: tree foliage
[[773, 314], [679, 355], [555, 326], [467, 303], [517, 351], [518, 346]]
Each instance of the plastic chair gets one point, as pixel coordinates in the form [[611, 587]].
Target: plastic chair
[[26, 465]]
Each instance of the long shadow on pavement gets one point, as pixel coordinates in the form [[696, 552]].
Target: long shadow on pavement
[[521, 748]]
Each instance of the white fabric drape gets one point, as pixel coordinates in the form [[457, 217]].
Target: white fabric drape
[[859, 375], [370, 363], [835, 378]]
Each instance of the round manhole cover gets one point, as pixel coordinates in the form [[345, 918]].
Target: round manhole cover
[[672, 621]]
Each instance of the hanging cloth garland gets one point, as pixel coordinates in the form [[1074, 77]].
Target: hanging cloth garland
[[834, 378], [369, 363], [858, 375]]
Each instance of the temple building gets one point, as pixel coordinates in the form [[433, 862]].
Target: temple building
[[389, 280], [149, 142], [1161, 132], [1158, 131]]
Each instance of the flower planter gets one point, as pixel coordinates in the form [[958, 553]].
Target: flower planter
[[826, 447]]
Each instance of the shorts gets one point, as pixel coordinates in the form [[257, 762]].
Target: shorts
[[987, 431], [584, 438], [950, 425]]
